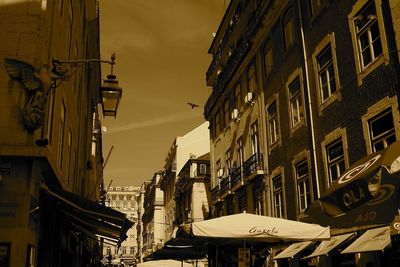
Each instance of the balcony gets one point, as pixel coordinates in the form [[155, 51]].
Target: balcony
[[225, 186], [253, 167], [236, 176], [215, 194]]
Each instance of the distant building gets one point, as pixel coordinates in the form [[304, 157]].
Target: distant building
[[153, 216], [124, 199], [139, 225], [190, 145], [192, 190]]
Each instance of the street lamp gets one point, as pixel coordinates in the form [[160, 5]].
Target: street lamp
[[110, 92], [110, 95]]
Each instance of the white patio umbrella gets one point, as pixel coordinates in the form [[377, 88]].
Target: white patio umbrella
[[164, 263], [259, 228]]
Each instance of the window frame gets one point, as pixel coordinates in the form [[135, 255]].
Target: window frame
[[255, 139], [268, 50], [363, 71], [328, 40], [273, 100], [376, 109], [303, 156], [288, 23], [338, 133], [297, 74]]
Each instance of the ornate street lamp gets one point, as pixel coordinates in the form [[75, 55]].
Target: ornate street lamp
[[111, 94]]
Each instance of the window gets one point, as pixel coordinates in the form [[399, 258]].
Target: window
[[124, 250], [303, 185], [315, 6], [219, 167], [254, 139], [203, 169], [288, 28], [278, 201], [258, 199], [268, 57], [326, 74], [69, 154], [132, 250], [273, 123], [242, 197], [335, 160], [238, 96], [240, 150], [61, 134], [131, 237], [251, 78], [226, 113], [382, 130], [368, 35], [296, 103], [230, 207], [217, 124], [218, 209], [228, 160], [49, 119]]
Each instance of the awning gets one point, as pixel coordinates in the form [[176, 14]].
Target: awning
[[366, 194], [293, 250], [89, 216], [328, 245], [372, 240], [259, 228]]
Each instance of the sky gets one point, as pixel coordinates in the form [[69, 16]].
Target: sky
[[161, 59]]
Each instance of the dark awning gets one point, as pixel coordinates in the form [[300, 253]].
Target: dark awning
[[90, 216], [366, 194]]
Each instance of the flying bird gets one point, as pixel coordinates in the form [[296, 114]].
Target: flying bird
[[192, 105]]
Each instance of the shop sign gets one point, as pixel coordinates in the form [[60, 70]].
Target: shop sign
[[244, 257]]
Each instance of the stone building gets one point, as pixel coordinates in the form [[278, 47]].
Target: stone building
[[192, 144], [124, 199], [321, 83], [153, 216], [50, 137]]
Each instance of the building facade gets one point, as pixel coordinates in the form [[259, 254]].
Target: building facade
[[50, 137], [193, 144], [153, 216], [324, 77], [124, 199]]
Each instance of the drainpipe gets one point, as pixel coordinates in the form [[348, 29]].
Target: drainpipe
[[309, 105]]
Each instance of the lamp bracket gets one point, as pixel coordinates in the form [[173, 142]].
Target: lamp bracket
[[63, 69]]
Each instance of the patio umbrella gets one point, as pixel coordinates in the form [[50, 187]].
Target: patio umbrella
[[252, 227], [367, 193], [164, 263]]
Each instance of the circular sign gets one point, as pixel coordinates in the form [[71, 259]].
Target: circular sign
[[351, 174], [384, 193]]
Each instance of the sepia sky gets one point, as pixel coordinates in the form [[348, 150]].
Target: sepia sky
[[161, 59]]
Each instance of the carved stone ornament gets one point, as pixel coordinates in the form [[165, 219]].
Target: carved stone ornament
[[37, 82]]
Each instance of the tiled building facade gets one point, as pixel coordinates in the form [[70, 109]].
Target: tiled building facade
[[300, 91]]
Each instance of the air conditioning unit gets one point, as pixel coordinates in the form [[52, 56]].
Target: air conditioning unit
[[220, 173], [235, 115], [248, 99]]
